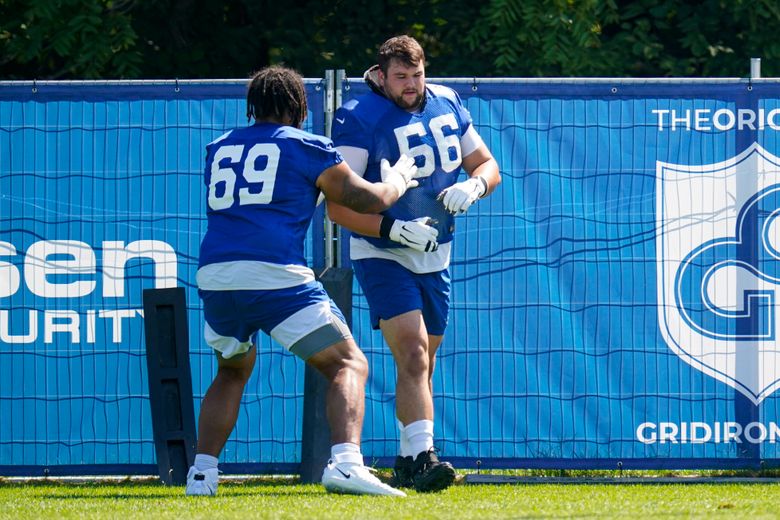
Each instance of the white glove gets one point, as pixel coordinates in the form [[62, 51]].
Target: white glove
[[400, 174], [460, 196], [417, 234]]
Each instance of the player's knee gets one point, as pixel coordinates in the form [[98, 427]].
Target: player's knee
[[237, 368], [413, 360], [344, 357], [355, 362], [235, 374]]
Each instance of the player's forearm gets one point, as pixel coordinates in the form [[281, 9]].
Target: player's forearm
[[343, 186], [489, 172], [364, 224], [368, 198]]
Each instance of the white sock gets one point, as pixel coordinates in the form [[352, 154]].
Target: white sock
[[404, 450], [346, 452], [204, 462], [420, 435]]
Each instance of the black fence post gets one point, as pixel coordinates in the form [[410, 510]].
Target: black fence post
[[170, 382]]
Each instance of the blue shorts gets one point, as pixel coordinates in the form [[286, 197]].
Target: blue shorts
[[391, 289], [302, 318]]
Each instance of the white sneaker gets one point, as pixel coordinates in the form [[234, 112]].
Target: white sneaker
[[202, 483], [355, 479]]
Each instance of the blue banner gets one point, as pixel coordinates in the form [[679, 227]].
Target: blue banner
[[614, 301], [101, 196]]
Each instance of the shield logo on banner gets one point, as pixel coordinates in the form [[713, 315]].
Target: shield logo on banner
[[718, 264]]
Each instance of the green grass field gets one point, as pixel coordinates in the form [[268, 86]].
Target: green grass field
[[278, 498]]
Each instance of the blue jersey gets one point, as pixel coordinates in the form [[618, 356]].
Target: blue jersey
[[261, 194], [432, 136]]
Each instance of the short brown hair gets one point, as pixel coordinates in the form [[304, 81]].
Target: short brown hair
[[402, 48], [276, 92]]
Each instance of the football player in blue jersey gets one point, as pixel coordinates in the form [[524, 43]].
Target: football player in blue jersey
[[262, 186], [401, 257]]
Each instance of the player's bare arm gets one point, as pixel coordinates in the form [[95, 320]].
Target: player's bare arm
[[417, 234], [481, 163], [484, 176], [364, 224], [340, 184]]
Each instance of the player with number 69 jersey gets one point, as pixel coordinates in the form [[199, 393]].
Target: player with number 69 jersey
[[262, 184], [262, 213]]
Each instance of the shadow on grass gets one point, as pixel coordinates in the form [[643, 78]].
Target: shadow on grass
[[71, 482], [92, 495], [151, 488]]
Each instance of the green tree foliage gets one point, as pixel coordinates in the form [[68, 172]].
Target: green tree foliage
[[543, 37], [203, 39], [641, 38], [231, 38], [51, 39]]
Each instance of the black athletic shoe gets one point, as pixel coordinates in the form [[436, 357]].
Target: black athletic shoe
[[402, 472], [430, 474]]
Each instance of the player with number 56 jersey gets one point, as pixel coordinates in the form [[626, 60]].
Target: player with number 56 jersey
[[401, 257], [432, 137]]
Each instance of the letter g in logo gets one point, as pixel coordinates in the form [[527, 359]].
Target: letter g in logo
[[718, 266]]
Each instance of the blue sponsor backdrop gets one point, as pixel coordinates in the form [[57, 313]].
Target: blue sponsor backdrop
[[553, 358]]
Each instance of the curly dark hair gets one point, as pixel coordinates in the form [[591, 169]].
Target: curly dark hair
[[404, 48], [278, 93]]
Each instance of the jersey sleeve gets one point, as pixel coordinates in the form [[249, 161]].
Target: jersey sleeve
[[349, 129], [464, 116], [324, 158], [320, 154]]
